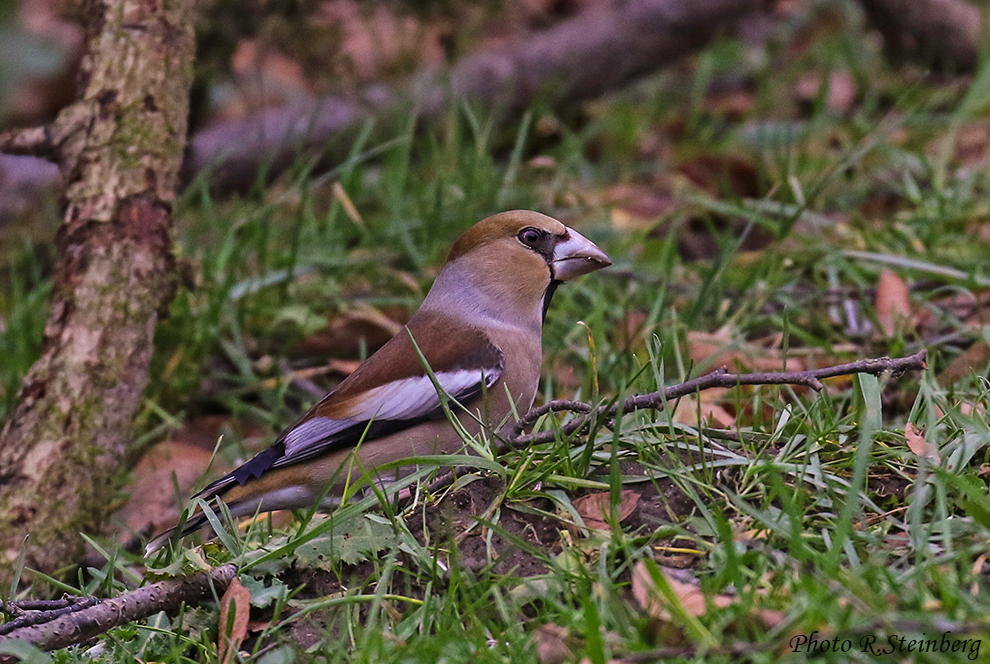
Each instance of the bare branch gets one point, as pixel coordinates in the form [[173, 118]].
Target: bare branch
[[581, 58], [590, 54], [74, 620], [89, 621], [17, 607], [36, 612], [30, 142], [718, 378], [554, 406]]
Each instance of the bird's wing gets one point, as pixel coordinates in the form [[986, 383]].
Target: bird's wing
[[389, 392]]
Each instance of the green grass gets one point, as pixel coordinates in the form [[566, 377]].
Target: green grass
[[811, 515]]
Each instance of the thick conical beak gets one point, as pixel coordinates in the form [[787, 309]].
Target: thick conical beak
[[576, 255]]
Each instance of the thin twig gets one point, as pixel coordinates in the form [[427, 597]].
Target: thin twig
[[81, 625], [552, 407], [718, 378], [31, 142], [18, 606], [28, 617], [72, 621]]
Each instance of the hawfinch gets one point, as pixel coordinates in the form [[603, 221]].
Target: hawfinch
[[479, 330]]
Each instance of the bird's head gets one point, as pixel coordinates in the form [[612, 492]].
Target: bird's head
[[512, 262]]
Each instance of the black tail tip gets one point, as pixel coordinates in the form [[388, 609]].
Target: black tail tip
[[190, 526]]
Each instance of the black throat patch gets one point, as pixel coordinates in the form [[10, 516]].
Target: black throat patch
[[548, 295]]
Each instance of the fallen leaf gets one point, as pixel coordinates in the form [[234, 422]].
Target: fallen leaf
[[655, 603], [232, 631], [542, 162], [258, 625], [690, 596], [262, 77], [638, 206], [722, 174], [893, 304], [167, 473], [967, 362], [594, 508], [841, 90], [719, 349], [734, 105], [693, 411], [972, 143], [551, 644], [970, 409], [771, 618], [916, 441]]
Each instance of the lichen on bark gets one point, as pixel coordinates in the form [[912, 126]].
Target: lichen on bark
[[119, 149]]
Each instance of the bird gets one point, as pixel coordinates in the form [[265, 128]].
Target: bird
[[479, 331]]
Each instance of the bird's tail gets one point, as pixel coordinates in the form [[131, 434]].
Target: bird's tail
[[187, 527], [194, 521]]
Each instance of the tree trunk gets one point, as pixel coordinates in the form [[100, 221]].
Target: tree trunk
[[119, 149]]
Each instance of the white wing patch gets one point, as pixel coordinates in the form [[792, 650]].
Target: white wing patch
[[310, 431], [406, 399], [416, 396]]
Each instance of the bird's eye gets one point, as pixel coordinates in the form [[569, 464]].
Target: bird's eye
[[530, 236]]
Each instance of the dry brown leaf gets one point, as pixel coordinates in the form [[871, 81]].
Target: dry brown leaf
[[751, 535], [236, 599], [279, 519], [655, 604], [916, 441], [691, 597], [841, 90], [255, 626], [41, 92], [164, 467], [690, 407], [719, 349], [263, 77], [638, 206], [565, 379], [893, 304], [542, 162], [967, 408], [733, 105], [771, 618], [173, 466], [973, 309], [340, 367], [977, 355], [722, 173], [551, 644], [594, 508], [973, 143]]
